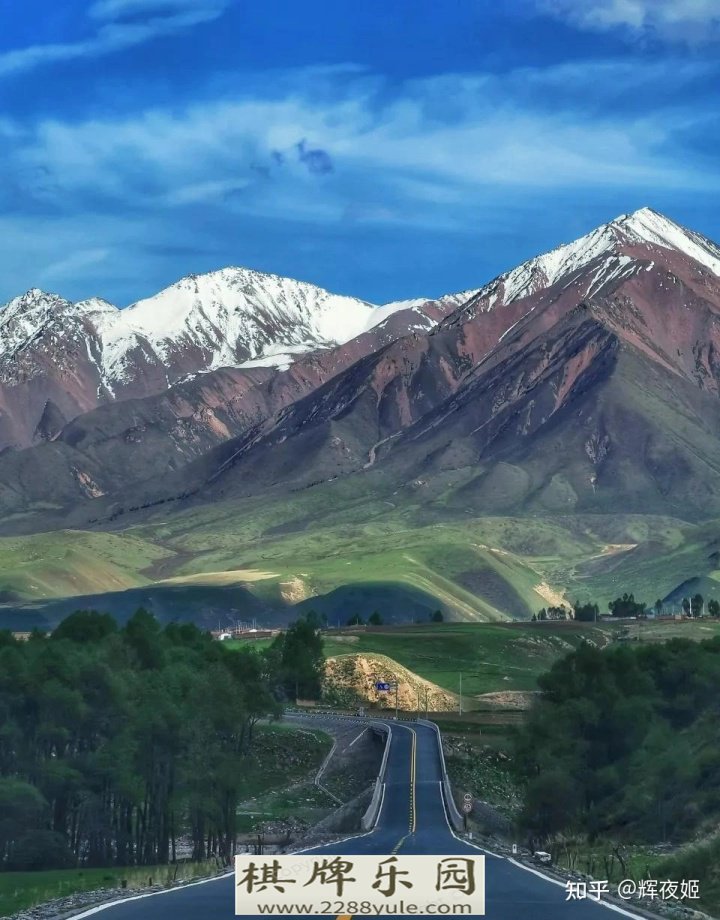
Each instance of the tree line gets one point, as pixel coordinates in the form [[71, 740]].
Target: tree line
[[623, 742], [626, 606], [115, 742], [377, 619]]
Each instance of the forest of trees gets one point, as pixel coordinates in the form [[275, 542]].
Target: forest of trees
[[114, 741], [623, 741]]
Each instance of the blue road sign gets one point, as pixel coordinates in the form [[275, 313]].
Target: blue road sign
[[381, 685]]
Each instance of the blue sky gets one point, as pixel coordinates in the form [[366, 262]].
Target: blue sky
[[381, 149]]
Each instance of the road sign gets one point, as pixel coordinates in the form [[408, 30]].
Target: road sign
[[382, 686], [514, 849], [467, 802], [467, 807]]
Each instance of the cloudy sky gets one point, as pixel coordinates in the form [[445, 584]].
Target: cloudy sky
[[381, 149]]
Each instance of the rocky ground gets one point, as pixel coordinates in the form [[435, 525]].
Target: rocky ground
[[351, 679]]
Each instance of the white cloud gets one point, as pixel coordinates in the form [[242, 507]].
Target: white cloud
[[116, 9], [67, 267], [693, 21], [441, 155], [490, 134], [165, 17]]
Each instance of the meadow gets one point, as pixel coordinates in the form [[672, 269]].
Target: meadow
[[345, 552]]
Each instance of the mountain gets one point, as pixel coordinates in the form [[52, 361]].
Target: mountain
[[584, 379], [555, 433], [60, 359]]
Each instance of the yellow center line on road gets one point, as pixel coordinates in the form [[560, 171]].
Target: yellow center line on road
[[412, 822], [413, 762]]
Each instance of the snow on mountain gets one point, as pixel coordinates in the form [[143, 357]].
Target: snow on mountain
[[644, 228], [233, 317], [653, 229], [240, 315], [243, 318], [24, 317], [453, 300]]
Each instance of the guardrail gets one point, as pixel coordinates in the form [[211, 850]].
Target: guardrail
[[369, 819], [454, 816]]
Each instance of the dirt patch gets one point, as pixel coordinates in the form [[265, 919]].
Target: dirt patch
[[610, 549], [509, 699], [232, 577], [294, 590], [351, 679], [550, 595]]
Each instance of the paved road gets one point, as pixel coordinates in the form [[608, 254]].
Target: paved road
[[412, 821]]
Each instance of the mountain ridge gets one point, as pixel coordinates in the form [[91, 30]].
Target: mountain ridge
[[78, 355], [509, 352]]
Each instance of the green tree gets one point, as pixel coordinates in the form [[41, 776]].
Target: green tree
[[550, 804], [696, 605], [375, 619], [301, 658], [85, 626], [713, 607], [658, 605], [112, 746], [142, 635], [626, 606], [355, 620], [586, 613], [23, 809], [437, 616]]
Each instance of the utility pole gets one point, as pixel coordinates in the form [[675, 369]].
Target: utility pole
[[417, 692], [396, 698], [460, 710], [426, 702]]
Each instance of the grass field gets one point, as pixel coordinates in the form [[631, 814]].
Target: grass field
[[20, 890], [73, 562], [492, 657], [344, 552]]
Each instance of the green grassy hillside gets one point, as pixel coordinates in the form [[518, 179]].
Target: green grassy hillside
[[491, 657], [73, 563], [345, 553]]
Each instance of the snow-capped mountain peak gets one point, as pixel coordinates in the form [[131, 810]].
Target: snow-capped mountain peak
[[654, 229], [25, 317], [233, 317], [608, 245]]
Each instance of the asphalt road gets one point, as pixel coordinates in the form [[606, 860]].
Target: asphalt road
[[412, 821]]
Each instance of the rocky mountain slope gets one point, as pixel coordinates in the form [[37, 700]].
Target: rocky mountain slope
[[60, 359], [585, 379]]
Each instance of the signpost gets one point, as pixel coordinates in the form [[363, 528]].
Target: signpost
[[383, 686]]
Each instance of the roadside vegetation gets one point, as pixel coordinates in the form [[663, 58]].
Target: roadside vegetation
[[22, 890], [619, 758], [119, 744]]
